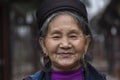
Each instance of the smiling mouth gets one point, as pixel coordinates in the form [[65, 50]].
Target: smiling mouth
[[65, 54]]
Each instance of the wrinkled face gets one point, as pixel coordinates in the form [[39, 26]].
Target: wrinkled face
[[64, 43]]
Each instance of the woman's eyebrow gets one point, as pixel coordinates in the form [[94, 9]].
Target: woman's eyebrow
[[55, 32], [75, 31]]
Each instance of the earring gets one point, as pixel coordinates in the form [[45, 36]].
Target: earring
[[45, 63], [83, 61]]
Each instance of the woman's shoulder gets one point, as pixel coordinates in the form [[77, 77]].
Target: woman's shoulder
[[34, 76], [93, 74]]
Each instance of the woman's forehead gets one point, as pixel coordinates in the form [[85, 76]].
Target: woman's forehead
[[64, 21]]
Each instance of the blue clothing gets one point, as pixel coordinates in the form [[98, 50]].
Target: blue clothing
[[90, 73]]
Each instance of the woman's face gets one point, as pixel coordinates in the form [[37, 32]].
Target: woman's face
[[64, 43]]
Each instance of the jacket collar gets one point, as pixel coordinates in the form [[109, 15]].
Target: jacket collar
[[89, 72], [92, 74]]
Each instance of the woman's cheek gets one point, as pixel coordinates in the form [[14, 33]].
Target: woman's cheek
[[51, 46], [79, 45]]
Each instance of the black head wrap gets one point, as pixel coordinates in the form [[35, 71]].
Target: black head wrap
[[48, 7]]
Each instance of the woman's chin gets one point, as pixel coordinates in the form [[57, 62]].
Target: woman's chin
[[66, 66], [66, 63]]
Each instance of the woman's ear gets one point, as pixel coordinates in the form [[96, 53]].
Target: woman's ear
[[88, 40], [42, 44]]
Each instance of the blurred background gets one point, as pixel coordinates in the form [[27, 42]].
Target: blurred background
[[19, 50]]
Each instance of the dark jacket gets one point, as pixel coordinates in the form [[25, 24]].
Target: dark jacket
[[90, 73]]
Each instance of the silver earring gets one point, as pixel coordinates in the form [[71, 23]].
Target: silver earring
[[83, 62], [45, 63]]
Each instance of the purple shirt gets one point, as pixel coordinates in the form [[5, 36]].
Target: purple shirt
[[73, 75]]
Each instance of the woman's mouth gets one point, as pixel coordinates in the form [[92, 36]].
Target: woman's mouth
[[65, 54]]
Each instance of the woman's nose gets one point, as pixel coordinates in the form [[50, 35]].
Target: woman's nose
[[65, 43]]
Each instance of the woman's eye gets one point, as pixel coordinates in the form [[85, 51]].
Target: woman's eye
[[73, 36], [56, 37]]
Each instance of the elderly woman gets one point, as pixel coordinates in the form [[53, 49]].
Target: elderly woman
[[64, 38]]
